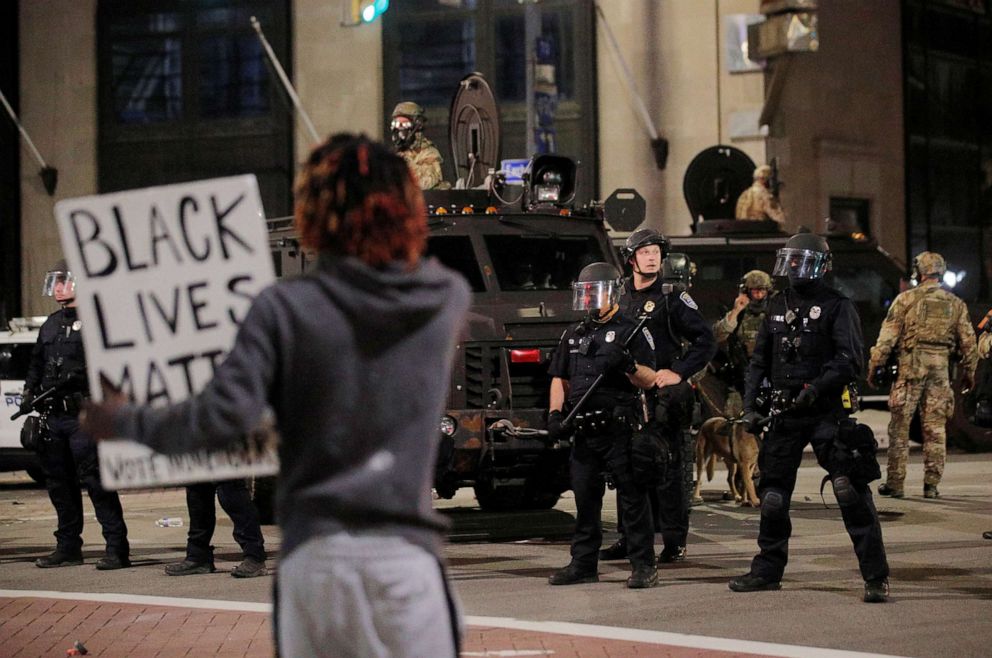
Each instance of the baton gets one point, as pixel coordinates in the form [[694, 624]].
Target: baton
[[34, 403], [599, 378]]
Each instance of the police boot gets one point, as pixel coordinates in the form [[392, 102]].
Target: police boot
[[616, 551], [58, 558], [886, 490], [752, 583], [876, 591], [573, 575], [930, 491], [674, 554], [189, 568], [113, 562], [643, 577]]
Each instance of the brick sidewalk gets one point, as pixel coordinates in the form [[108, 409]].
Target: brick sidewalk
[[48, 627]]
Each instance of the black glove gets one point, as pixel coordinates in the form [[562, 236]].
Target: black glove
[[752, 421], [555, 425], [621, 359], [806, 397], [27, 397]]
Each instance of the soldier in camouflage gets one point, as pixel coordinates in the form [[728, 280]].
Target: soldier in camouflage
[[407, 133], [745, 318], [757, 202], [925, 326]]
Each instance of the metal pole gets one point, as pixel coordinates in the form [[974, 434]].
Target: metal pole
[[626, 76], [24, 133], [532, 28], [287, 85]]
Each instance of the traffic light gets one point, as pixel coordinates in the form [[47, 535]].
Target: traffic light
[[362, 12]]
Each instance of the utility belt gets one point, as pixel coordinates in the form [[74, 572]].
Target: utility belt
[[778, 401], [604, 422], [69, 405]]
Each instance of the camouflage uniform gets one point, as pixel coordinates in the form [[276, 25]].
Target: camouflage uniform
[[425, 161], [745, 325], [757, 202], [925, 325]]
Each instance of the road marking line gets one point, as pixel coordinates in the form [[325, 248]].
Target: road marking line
[[561, 628]]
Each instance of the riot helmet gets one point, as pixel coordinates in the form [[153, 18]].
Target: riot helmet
[[805, 257], [929, 264], [677, 268], [59, 275], [642, 238], [597, 287], [407, 121]]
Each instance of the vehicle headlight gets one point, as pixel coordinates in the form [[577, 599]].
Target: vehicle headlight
[[447, 426]]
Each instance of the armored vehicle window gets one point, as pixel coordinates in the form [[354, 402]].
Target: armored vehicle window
[[455, 251], [865, 286], [526, 262], [14, 360]]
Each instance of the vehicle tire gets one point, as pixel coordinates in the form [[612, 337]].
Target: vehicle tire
[[36, 473], [538, 500], [501, 499]]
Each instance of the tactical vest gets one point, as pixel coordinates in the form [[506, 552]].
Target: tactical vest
[[801, 339], [931, 320], [748, 324]]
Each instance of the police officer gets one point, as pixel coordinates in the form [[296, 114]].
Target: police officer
[[810, 348], [407, 132], [924, 325], [603, 424], [68, 455], [236, 501], [675, 320]]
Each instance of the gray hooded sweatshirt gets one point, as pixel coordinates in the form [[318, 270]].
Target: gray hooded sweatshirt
[[355, 362]]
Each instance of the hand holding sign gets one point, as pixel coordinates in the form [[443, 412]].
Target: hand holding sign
[[97, 418]]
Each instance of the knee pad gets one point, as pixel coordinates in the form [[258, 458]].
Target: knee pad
[[844, 491], [774, 504]]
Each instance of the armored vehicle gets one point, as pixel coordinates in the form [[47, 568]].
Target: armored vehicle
[[520, 266]]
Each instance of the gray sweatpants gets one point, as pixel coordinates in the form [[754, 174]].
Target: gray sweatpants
[[366, 595]]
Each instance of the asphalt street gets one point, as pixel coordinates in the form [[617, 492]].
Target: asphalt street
[[941, 574]]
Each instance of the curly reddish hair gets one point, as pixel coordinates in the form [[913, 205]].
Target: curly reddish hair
[[355, 197]]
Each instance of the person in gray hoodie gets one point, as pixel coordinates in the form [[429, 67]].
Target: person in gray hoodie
[[354, 359]]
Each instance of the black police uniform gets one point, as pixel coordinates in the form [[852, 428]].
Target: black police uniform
[[809, 339], [582, 355], [68, 455], [236, 501], [675, 318]]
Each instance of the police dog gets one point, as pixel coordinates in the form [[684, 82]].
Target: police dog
[[727, 439]]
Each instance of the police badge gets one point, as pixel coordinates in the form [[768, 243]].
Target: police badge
[[611, 336], [814, 313]]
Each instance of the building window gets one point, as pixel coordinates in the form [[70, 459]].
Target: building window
[[186, 93], [948, 99]]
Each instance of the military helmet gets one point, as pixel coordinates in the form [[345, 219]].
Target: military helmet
[[408, 109], [764, 171], [598, 286], [58, 273], [929, 263], [642, 238], [756, 279], [805, 256], [408, 120]]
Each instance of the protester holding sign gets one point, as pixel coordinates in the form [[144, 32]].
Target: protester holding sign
[[354, 359], [57, 377]]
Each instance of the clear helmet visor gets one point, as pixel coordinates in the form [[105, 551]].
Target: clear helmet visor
[[54, 280], [801, 264], [593, 295]]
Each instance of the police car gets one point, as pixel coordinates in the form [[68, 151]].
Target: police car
[[16, 344]]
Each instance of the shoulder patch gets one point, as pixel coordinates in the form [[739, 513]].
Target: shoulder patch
[[687, 299]]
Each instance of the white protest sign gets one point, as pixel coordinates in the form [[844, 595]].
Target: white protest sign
[[164, 275]]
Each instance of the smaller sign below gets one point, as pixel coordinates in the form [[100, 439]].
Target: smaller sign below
[[514, 170]]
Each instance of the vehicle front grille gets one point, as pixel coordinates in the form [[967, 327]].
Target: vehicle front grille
[[488, 367]]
